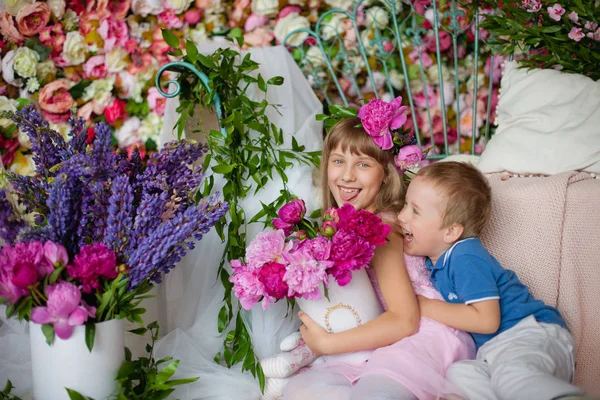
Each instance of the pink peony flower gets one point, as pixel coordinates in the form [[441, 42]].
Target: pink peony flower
[[576, 34], [55, 254], [319, 247], [292, 212], [32, 18], [408, 157], [556, 12], [192, 16], [246, 286], [349, 251], [331, 214], [21, 265], [24, 275], [170, 19], [304, 274], [95, 67], [364, 223], [287, 228], [55, 97], [267, 246], [271, 276], [64, 309], [8, 28], [156, 102], [92, 263], [115, 112], [259, 37], [255, 21], [379, 118], [114, 32]]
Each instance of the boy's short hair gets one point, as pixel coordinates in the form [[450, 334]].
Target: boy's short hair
[[468, 194]]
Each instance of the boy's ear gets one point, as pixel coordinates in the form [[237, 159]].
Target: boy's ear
[[453, 232]]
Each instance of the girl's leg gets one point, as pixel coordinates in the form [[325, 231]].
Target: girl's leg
[[379, 387], [313, 385]]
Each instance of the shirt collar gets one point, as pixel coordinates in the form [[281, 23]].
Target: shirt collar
[[442, 261]]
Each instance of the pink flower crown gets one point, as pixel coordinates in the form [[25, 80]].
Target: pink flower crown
[[383, 121]]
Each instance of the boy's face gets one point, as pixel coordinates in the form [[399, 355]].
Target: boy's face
[[421, 220]]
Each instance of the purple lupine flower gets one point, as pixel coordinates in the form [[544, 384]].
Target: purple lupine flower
[[61, 201], [119, 222], [102, 152], [10, 222], [78, 135], [147, 219]]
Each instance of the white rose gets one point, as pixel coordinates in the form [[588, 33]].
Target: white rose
[[116, 60], [179, 6], [62, 128], [23, 165], [25, 62], [377, 16], [45, 70], [32, 85], [127, 134], [397, 79], [358, 63], [98, 90], [75, 48], [57, 7], [315, 56], [290, 23], [341, 4], [265, 7], [198, 35], [146, 7], [8, 71], [433, 73], [24, 139], [333, 27], [70, 21], [7, 104], [150, 127], [14, 6]]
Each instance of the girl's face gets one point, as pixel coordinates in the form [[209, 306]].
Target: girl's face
[[354, 179]]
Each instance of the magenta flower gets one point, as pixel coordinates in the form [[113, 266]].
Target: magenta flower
[[304, 274], [267, 246], [573, 17], [319, 247], [92, 263], [408, 157], [246, 284], [64, 309], [349, 251], [556, 12], [379, 118], [331, 214], [56, 254], [366, 224], [292, 212], [286, 227], [24, 275], [576, 34], [21, 266], [271, 276]]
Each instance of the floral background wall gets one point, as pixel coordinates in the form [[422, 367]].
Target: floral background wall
[[100, 57]]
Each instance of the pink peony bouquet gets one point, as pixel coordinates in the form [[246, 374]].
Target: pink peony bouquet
[[296, 259]]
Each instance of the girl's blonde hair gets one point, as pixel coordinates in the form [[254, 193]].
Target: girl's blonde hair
[[351, 136]]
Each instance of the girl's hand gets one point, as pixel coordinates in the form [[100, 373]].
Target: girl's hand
[[315, 337]]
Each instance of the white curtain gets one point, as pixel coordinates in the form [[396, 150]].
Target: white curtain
[[191, 295]]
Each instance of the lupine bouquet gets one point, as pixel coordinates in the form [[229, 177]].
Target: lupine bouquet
[[296, 258], [93, 230]]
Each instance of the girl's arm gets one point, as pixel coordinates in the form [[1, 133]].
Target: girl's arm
[[399, 321], [482, 317]]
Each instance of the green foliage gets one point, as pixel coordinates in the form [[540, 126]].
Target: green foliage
[[250, 150], [5, 393], [545, 42]]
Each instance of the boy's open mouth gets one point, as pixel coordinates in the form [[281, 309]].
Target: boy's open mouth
[[408, 237]]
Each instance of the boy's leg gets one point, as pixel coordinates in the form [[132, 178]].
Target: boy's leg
[[379, 387], [473, 378], [534, 362]]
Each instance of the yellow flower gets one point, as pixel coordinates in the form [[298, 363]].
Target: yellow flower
[[23, 164]]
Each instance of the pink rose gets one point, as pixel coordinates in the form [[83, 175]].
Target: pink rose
[[170, 19], [33, 18], [115, 112], [408, 157], [271, 276], [55, 97], [65, 309], [287, 10], [255, 21], [113, 32], [119, 8], [8, 148], [92, 263], [192, 16], [56, 118], [156, 102], [292, 212], [95, 67], [259, 37], [8, 28], [379, 118]]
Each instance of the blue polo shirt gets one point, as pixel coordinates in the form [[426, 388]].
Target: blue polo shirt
[[467, 273]]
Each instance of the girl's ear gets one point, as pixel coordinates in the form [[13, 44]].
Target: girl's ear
[[453, 233]]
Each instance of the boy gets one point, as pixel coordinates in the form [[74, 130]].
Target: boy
[[524, 348]]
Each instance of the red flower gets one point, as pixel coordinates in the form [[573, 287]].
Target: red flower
[[115, 112]]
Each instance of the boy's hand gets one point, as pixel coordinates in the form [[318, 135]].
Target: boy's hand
[[315, 337], [423, 305]]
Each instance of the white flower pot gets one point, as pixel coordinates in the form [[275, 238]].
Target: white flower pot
[[69, 363], [348, 307]]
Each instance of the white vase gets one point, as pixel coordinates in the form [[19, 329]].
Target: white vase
[[69, 363], [348, 307]]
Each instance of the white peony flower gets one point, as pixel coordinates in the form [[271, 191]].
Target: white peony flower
[[315, 56], [26, 62], [45, 70], [7, 104], [151, 127], [70, 21], [198, 35], [146, 7], [333, 27], [433, 73], [265, 7], [8, 72], [288, 24], [130, 87], [75, 48], [179, 6], [397, 79], [127, 134], [341, 4], [14, 6], [116, 59], [98, 90], [57, 7], [378, 17]]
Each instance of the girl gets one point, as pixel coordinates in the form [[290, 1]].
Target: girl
[[412, 353]]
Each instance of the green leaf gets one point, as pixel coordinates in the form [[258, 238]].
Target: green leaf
[[170, 38], [78, 89], [222, 320], [223, 169], [48, 331], [139, 331], [184, 381], [237, 35], [127, 368], [261, 83], [73, 395], [276, 80], [191, 50], [343, 112], [54, 275], [90, 335], [167, 372], [37, 46]]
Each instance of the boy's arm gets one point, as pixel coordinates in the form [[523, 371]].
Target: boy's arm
[[481, 317]]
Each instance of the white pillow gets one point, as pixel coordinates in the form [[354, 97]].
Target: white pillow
[[548, 122]]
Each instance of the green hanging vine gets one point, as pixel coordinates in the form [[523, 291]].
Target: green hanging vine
[[249, 151]]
